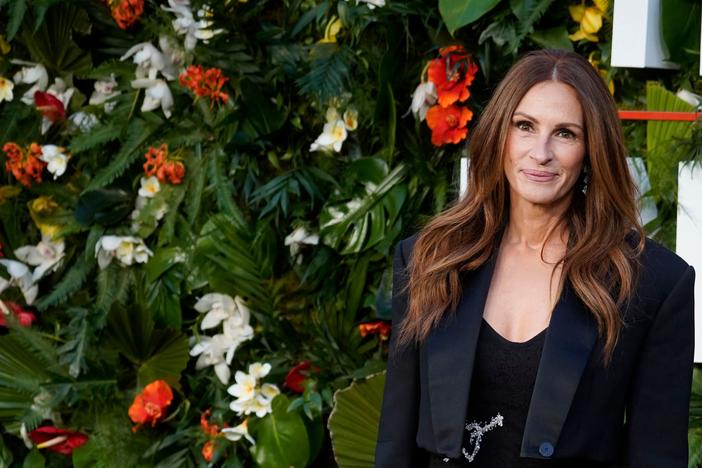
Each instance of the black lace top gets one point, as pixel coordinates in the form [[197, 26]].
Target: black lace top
[[503, 379]]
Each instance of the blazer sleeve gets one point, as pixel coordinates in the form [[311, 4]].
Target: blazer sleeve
[[657, 413], [396, 447]]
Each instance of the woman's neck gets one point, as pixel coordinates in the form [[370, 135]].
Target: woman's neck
[[534, 227]]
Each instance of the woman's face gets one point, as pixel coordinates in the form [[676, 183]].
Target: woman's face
[[545, 145]]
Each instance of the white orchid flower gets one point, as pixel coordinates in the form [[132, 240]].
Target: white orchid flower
[[298, 237], [83, 121], [34, 74], [55, 158], [174, 54], [222, 307], [104, 90], [157, 94], [21, 277], [333, 136], [46, 256], [237, 432], [235, 335], [186, 24], [422, 99], [148, 59], [126, 249], [150, 186], [211, 351], [259, 370], [6, 87], [351, 119]]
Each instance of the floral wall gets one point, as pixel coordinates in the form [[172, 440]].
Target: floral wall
[[199, 201]]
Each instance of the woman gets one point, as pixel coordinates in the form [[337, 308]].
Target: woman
[[533, 322]]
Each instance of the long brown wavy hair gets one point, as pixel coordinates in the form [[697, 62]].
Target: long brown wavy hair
[[600, 260]]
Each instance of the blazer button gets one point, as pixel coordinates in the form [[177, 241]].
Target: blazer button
[[546, 449]]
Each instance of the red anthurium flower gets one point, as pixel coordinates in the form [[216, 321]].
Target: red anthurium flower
[[57, 440], [150, 405], [448, 124], [452, 74], [297, 375], [50, 106], [25, 317], [378, 327]]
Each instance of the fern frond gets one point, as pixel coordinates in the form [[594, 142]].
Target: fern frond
[[329, 71], [221, 183], [138, 133], [97, 136]]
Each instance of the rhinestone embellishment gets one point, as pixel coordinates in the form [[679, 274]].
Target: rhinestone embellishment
[[476, 432]]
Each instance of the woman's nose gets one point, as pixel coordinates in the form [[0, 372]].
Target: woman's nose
[[541, 151]]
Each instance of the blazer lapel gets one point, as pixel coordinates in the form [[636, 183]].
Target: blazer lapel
[[569, 341], [450, 350]]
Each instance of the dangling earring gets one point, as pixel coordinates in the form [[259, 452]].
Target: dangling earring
[[585, 180]]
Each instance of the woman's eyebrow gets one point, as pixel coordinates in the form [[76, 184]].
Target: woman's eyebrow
[[561, 124]]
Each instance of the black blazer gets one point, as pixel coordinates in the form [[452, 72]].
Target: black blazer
[[635, 411]]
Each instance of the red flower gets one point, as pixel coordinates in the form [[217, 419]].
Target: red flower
[[297, 376], [210, 429], [452, 74], [378, 327], [50, 106], [205, 82], [125, 12], [158, 164], [150, 405], [448, 124], [25, 317], [57, 440], [25, 165], [208, 450]]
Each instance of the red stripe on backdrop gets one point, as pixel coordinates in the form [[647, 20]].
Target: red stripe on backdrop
[[659, 115]]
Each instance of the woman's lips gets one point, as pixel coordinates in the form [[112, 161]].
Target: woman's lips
[[539, 176]]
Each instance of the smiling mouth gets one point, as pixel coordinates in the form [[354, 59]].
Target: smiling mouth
[[539, 176]]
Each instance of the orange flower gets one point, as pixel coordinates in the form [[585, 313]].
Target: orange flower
[[150, 405], [208, 450], [205, 82], [452, 74], [166, 170], [210, 429], [448, 124], [375, 328], [125, 12], [25, 165]]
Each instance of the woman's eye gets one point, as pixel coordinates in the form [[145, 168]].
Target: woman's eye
[[523, 125], [565, 133]]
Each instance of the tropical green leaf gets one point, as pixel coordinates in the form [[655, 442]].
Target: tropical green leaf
[[103, 206], [353, 422], [552, 38], [459, 13], [167, 359], [281, 438], [680, 29]]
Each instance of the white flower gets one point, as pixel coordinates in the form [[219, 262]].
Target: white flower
[[332, 137], [236, 433], [150, 186], [186, 24], [105, 89], [6, 89], [687, 96], [157, 94], [372, 3], [46, 256], [221, 307], [20, 276], [351, 119], [34, 74], [126, 249], [150, 61], [298, 237], [423, 98], [250, 397], [212, 351], [84, 121], [236, 334], [55, 158]]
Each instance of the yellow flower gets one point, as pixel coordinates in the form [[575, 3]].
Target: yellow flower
[[333, 28], [6, 87], [4, 46], [43, 210], [604, 74], [590, 19]]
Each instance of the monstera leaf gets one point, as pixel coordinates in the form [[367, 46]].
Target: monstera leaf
[[353, 423]]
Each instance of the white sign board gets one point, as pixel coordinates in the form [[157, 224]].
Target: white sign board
[[688, 241]]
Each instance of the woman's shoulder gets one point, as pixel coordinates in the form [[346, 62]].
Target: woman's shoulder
[[660, 268]]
